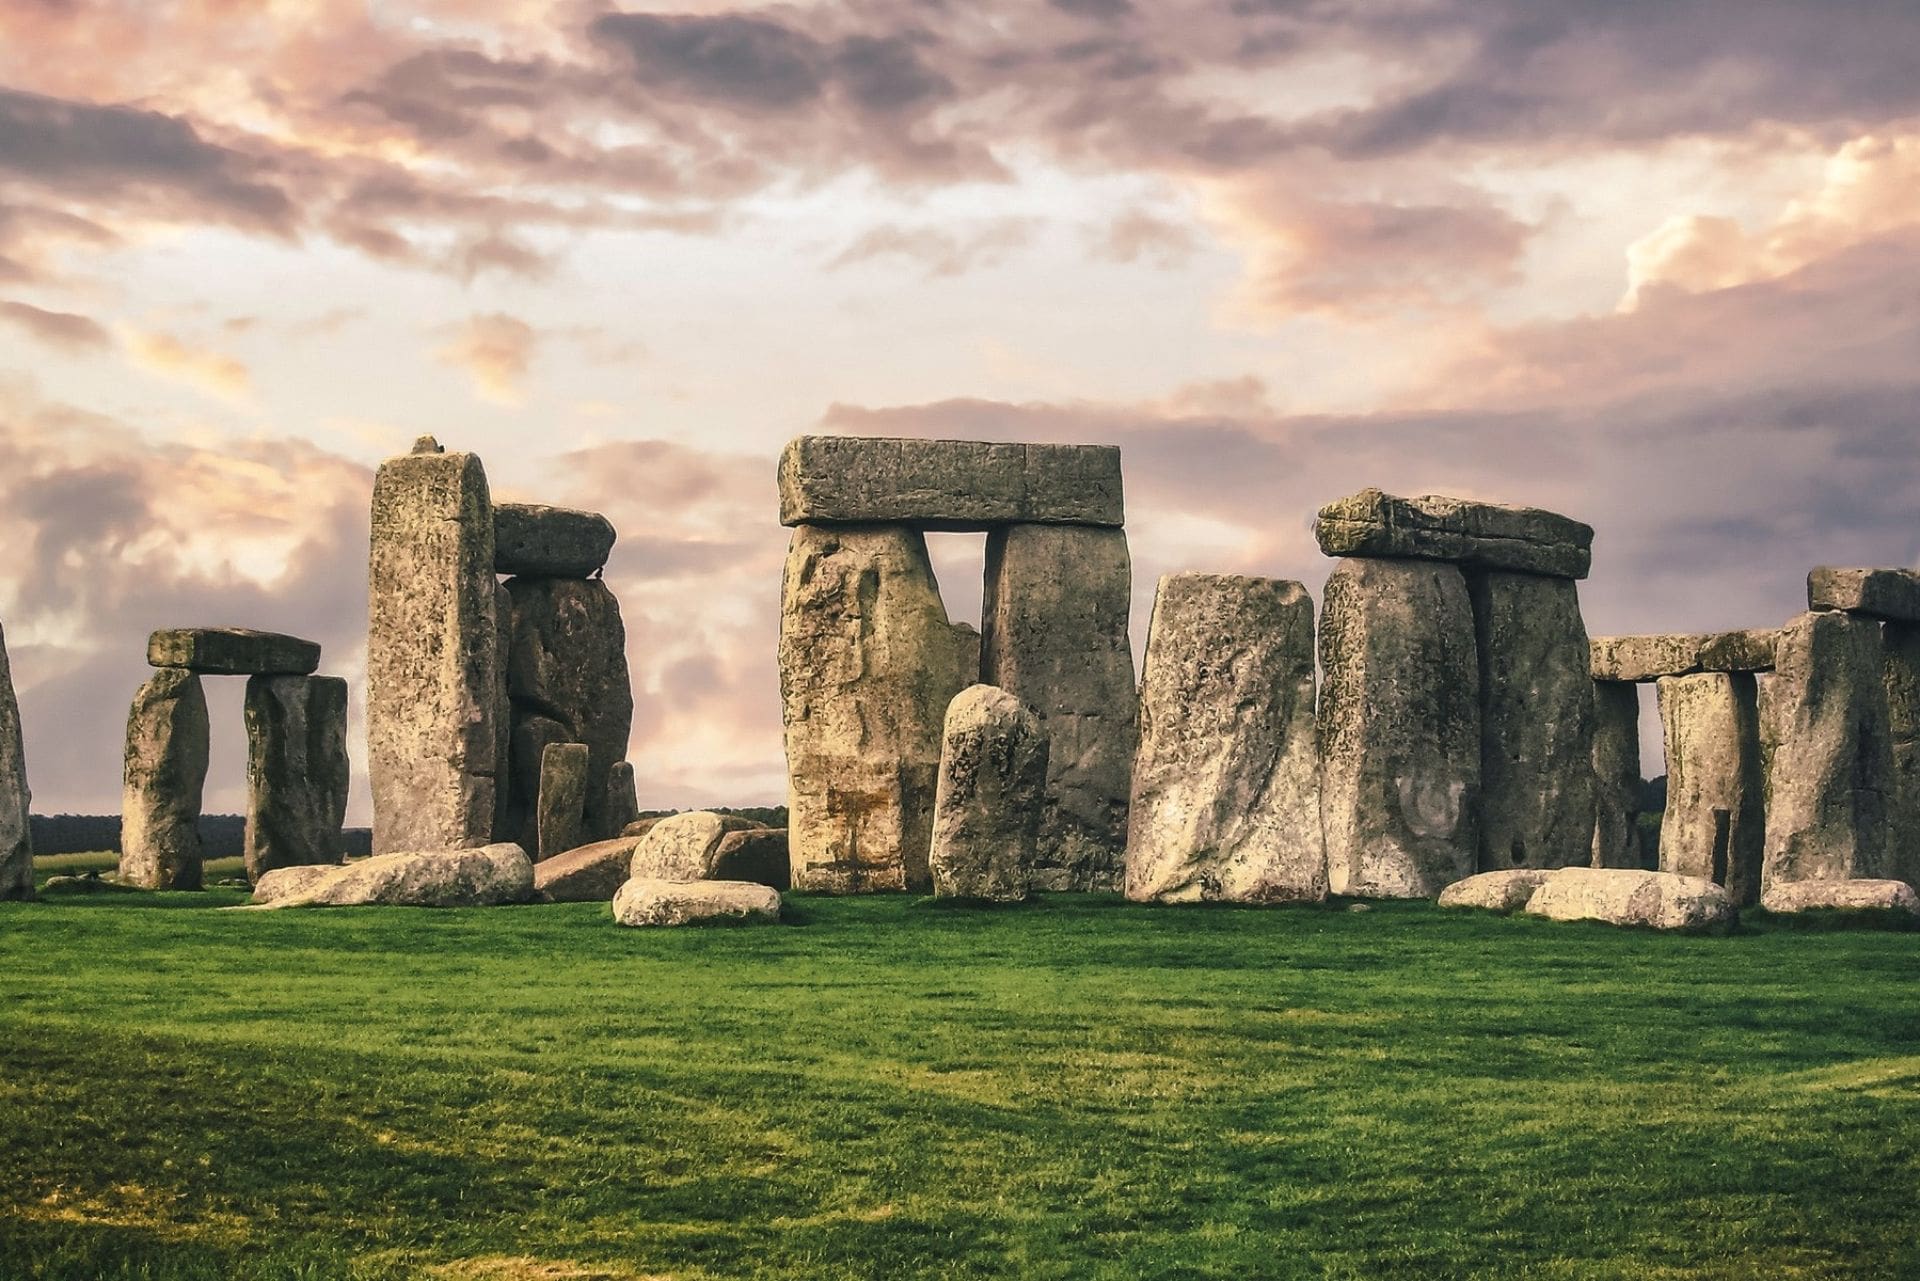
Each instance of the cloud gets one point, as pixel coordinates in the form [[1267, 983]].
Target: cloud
[[496, 350], [1140, 237], [56, 328], [937, 251], [210, 371]]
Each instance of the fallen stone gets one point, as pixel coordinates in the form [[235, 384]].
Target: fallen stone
[[684, 847], [757, 854], [947, 484], [16, 833], [1616, 773], [1889, 594], [286, 882], [165, 769], [481, 877], [589, 874], [1846, 896], [1715, 821], [1226, 787], [297, 771], [1901, 646], [991, 794], [1648, 658], [1619, 896], [640, 826], [622, 805], [549, 542], [650, 901], [232, 651], [1504, 891], [1490, 535], [563, 798]]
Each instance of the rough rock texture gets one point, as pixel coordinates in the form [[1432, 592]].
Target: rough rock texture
[[640, 826], [1506, 891], [433, 660], [1714, 826], [481, 877], [1399, 729], [1618, 896], [868, 664], [684, 847], [1648, 658], [165, 769], [649, 901], [1890, 594], [1617, 783], [549, 542], [947, 484], [589, 874], [232, 651], [1862, 895], [16, 836], [992, 790], [297, 771], [1830, 759], [1490, 535], [757, 854], [622, 805], [1901, 642], [1054, 635], [563, 798], [1226, 786], [1536, 722]]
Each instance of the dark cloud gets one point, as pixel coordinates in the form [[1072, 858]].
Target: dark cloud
[[734, 59], [56, 328]]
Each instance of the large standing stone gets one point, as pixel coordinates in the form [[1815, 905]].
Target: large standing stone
[[165, 769], [1054, 635], [1536, 722], [1714, 826], [1399, 728], [1617, 782], [1226, 786], [1902, 646], [16, 834], [993, 786], [555, 542], [433, 660], [1490, 535], [947, 484], [297, 771], [232, 651], [868, 664], [562, 807], [1830, 762]]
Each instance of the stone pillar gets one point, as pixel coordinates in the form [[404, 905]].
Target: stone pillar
[[433, 654], [1902, 645], [165, 769], [1226, 787], [1716, 815], [990, 798], [562, 811], [1830, 763], [1399, 728], [868, 664], [16, 834], [1616, 774], [297, 771], [622, 805], [1536, 721], [1054, 635]]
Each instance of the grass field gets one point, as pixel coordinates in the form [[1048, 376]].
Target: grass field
[[884, 1089]]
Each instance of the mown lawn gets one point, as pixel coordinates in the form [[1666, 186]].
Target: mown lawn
[[885, 1089]]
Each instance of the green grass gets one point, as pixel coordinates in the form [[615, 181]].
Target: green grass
[[106, 863], [1079, 1089]]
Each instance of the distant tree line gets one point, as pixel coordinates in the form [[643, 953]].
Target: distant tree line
[[221, 835]]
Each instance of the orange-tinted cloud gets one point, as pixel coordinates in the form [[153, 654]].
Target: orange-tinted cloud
[[210, 371], [495, 349]]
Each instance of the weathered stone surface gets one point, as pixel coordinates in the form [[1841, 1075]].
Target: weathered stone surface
[[947, 484], [757, 854], [1054, 635], [1618, 896], [567, 668], [297, 771], [992, 789], [1536, 722], [1890, 594], [1490, 535], [623, 798], [649, 901], [589, 874], [165, 769], [1504, 891], [1901, 643], [563, 798], [1399, 729], [232, 651], [433, 654], [684, 847], [16, 834], [1648, 658], [1617, 782], [1714, 825], [1226, 786], [549, 542], [640, 826], [868, 664], [1830, 760], [1860, 895], [480, 877]]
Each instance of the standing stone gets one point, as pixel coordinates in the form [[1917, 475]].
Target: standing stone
[[992, 790], [297, 772], [1226, 787], [1616, 775], [16, 834], [1830, 770], [165, 769], [1399, 728], [1714, 827], [1536, 722], [433, 654], [1054, 635], [563, 798], [868, 664], [623, 797], [1902, 646]]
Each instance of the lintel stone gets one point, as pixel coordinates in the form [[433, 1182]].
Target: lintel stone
[[554, 542], [956, 485], [232, 651], [1648, 658], [1490, 535], [1892, 595]]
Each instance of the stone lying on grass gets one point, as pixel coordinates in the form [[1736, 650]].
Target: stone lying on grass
[[1620, 896], [590, 874], [1504, 891], [757, 854], [1853, 896], [686, 847], [479, 877], [648, 900]]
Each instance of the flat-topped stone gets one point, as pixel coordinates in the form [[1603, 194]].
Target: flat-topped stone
[[1648, 658], [1877, 895], [1618, 896], [1435, 527], [646, 900], [480, 877], [1889, 594], [1504, 891], [232, 651], [947, 484], [549, 542]]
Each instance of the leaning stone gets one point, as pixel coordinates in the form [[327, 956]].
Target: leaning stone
[[992, 789], [589, 874], [1226, 787], [1856, 896], [16, 833], [549, 542], [1889, 594], [165, 770], [563, 798], [1399, 729], [1490, 535], [1616, 772], [1648, 658], [1714, 825], [1054, 635], [1617, 896], [685, 847], [1901, 643], [232, 651], [481, 877], [297, 771], [757, 854], [1506, 891], [947, 484], [649, 901], [622, 805]]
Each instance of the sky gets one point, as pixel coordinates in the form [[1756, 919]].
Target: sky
[[1654, 264]]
